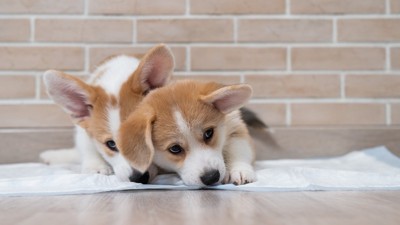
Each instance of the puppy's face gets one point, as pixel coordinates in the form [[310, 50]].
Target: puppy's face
[[100, 106], [188, 139], [182, 128]]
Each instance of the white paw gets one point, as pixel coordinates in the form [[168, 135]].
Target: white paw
[[96, 167], [52, 157], [240, 174]]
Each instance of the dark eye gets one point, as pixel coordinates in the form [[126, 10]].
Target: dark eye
[[175, 149], [208, 134], [112, 146]]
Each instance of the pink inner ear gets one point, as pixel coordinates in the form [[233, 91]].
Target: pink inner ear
[[67, 93], [155, 74], [230, 102], [157, 68], [76, 103], [229, 98]]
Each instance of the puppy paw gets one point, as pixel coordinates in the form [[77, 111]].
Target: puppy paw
[[96, 167], [52, 157], [60, 156], [240, 174]]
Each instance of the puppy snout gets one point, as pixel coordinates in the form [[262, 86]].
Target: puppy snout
[[138, 177], [210, 177]]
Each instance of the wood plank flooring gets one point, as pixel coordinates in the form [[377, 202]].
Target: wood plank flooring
[[205, 207]]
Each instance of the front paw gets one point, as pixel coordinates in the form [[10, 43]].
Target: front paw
[[60, 156], [240, 174], [96, 167], [52, 157]]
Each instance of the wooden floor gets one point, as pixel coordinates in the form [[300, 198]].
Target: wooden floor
[[205, 207], [211, 207]]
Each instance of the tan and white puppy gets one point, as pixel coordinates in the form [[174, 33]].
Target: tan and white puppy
[[97, 107], [193, 129]]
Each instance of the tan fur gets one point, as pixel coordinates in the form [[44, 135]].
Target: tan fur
[[131, 94], [97, 124], [156, 112], [164, 135], [143, 138]]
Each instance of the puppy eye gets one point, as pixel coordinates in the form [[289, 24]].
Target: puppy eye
[[175, 149], [208, 134], [112, 146]]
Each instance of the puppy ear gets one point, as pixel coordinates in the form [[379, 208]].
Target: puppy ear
[[71, 93], [155, 68], [135, 140], [229, 98]]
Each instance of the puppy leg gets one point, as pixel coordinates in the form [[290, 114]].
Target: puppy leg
[[92, 161], [239, 157], [60, 156]]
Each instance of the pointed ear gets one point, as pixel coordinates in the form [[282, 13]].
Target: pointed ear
[[229, 98], [71, 93], [135, 140], [155, 68]]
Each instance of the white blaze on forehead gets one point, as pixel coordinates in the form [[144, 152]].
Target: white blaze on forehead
[[114, 120], [116, 71], [181, 122], [185, 130]]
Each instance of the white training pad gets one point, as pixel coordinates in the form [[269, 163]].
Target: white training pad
[[369, 169]]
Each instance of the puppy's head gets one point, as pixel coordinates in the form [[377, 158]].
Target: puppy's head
[[182, 128], [114, 91]]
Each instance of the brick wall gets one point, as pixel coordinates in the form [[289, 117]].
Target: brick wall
[[311, 62]]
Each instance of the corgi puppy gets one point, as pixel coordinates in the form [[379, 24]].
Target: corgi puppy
[[193, 129], [97, 107]]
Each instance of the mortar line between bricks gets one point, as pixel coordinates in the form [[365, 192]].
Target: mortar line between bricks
[[86, 7], [235, 30], [388, 58], [188, 59], [334, 31], [342, 86], [289, 59], [229, 72], [87, 60], [325, 101], [37, 87], [205, 44], [187, 8], [288, 119], [203, 16], [292, 100], [32, 28], [387, 7], [288, 8], [134, 31], [388, 114]]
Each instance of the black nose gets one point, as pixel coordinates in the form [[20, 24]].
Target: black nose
[[139, 177], [210, 177]]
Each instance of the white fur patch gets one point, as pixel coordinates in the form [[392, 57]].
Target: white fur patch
[[111, 76], [121, 167], [116, 72], [200, 161], [200, 157], [181, 122], [114, 120], [184, 129]]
